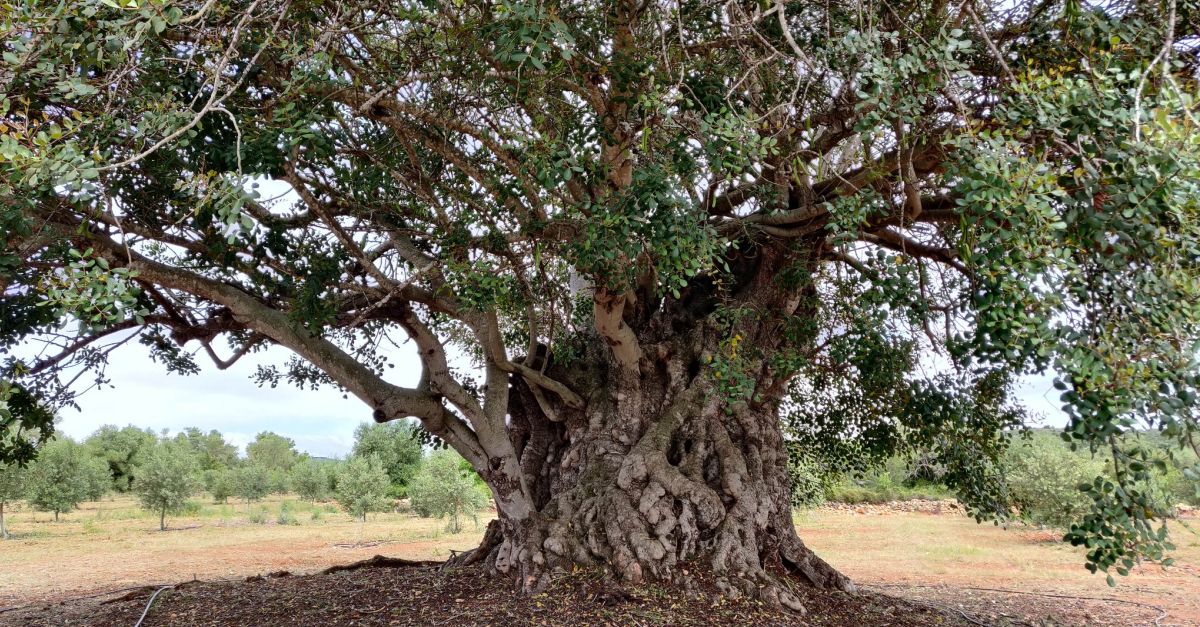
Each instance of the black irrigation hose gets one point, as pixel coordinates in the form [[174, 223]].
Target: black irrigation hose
[[149, 603]]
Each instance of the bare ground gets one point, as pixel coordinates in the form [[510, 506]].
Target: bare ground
[[949, 570], [1019, 575], [425, 596]]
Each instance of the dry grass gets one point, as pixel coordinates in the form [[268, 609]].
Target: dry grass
[[113, 544], [905, 551]]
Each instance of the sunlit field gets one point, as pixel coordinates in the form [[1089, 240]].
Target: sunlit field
[[907, 552], [113, 543]]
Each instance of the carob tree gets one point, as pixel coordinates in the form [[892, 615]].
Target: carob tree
[[639, 247]]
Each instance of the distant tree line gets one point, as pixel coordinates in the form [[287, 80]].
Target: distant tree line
[[1040, 475], [164, 472]]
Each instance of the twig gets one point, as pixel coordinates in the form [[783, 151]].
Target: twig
[[199, 15], [1163, 56], [215, 99], [395, 289], [987, 39]]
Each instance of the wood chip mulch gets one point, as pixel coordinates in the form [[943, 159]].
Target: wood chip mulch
[[389, 592]]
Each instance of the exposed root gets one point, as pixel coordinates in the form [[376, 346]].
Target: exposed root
[[762, 588], [380, 561], [802, 560], [492, 537]]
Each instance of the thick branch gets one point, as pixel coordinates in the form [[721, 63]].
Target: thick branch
[[608, 310], [386, 398]]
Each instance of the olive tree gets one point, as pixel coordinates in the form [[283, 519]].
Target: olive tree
[[398, 446], [166, 479], [251, 482], [122, 449], [272, 452], [64, 475], [362, 486], [12, 488], [440, 488], [310, 480], [220, 483], [654, 233], [23, 444], [210, 450]]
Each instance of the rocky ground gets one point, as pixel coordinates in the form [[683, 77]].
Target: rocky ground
[[923, 506]]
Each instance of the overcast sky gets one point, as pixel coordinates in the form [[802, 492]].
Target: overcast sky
[[321, 422]]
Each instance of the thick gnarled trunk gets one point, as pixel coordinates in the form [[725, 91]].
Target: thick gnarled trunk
[[654, 476]]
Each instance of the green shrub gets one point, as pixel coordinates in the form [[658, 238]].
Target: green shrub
[[809, 487], [1043, 481], [309, 481], [251, 482], [258, 516], [316, 515], [362, 486], [847, 491], [895, 480], [220, 483], [1180, 489], [165, 479], [1180, 483], [286, 517], [442, 489]]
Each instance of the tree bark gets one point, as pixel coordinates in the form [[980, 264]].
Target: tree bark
[[162, 519], [657, 476], [3, 528]]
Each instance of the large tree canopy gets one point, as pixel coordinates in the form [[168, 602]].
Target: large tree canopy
[[659, 232]]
